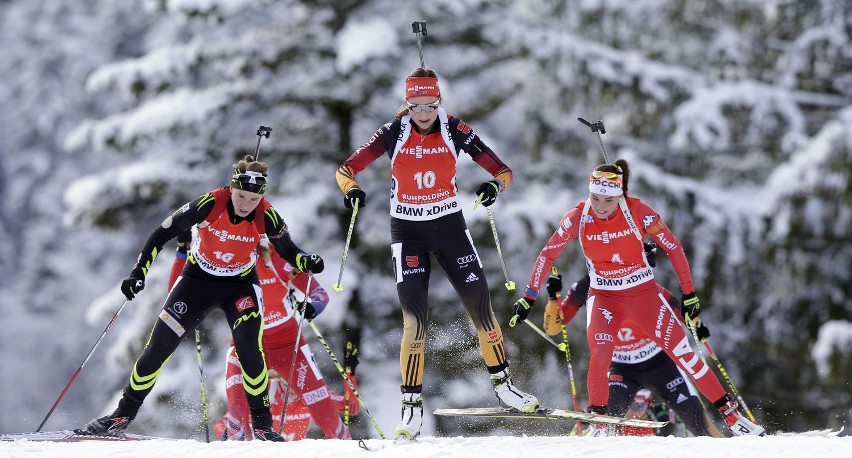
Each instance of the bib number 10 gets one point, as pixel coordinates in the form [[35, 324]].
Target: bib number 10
[[425, 179]]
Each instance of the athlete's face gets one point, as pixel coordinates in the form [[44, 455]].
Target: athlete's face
[[244, 202], [425, 118], [602, 205]]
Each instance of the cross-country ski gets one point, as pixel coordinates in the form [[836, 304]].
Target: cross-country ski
[[70, 435], [549, 414]]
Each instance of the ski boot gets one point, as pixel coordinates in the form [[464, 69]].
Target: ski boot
[[118, 421], [737, 423], [412, 417], [508, 394]]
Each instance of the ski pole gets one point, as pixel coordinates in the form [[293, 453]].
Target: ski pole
[[265, 254], [301, 312], [562, 347], [691, 325], [339, 286], [281, 388], [345, 378], [510, 285], [734, 390], [574, 396], [567, 349], [80, 369], [544, 334], [203, 390], [346, 355], [419, 29], [598, 128]]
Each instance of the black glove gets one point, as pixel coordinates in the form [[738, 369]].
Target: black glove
[[651, 253], [355, 194], [689, 304], [313, 263], [520, 310], [488, 191], [702, 331], [352, 358], [133, 284], [184, 239], [309, 311], [554, 286]]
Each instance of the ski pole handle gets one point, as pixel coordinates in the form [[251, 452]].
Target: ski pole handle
[[262, 132], [598, 129]]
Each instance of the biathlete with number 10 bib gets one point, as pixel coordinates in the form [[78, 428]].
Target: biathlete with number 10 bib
[[424, 143], [611, 229]]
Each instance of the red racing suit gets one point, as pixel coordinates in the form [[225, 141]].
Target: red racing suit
[[623, 290]]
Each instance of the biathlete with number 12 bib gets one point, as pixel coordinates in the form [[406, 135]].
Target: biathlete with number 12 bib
[[611, 228]]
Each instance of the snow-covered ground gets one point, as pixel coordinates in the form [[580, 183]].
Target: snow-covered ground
[[798, 445]]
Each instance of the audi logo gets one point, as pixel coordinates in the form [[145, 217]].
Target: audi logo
[[671, 385], [466, 259], [602, 336]]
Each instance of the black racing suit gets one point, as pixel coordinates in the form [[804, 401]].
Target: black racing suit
[[197, 292], [444, 235]]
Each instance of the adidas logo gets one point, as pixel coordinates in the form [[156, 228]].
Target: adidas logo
[[471, 278], [681, 398]]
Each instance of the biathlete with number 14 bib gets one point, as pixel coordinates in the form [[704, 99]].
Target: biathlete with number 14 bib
[[310, 397], [220, 274]]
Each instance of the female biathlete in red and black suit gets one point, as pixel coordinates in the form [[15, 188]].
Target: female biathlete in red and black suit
[[310, 397], [220, 273], [611, 229], [424, 143]]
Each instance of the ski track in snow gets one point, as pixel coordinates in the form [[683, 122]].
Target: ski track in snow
[[812, 443]]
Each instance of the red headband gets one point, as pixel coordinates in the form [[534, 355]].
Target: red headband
[[422, 86]]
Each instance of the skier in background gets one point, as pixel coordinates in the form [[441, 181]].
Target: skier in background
[[220, 273], [311, 397], [423, 144], [637, 362], [611, 229]]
